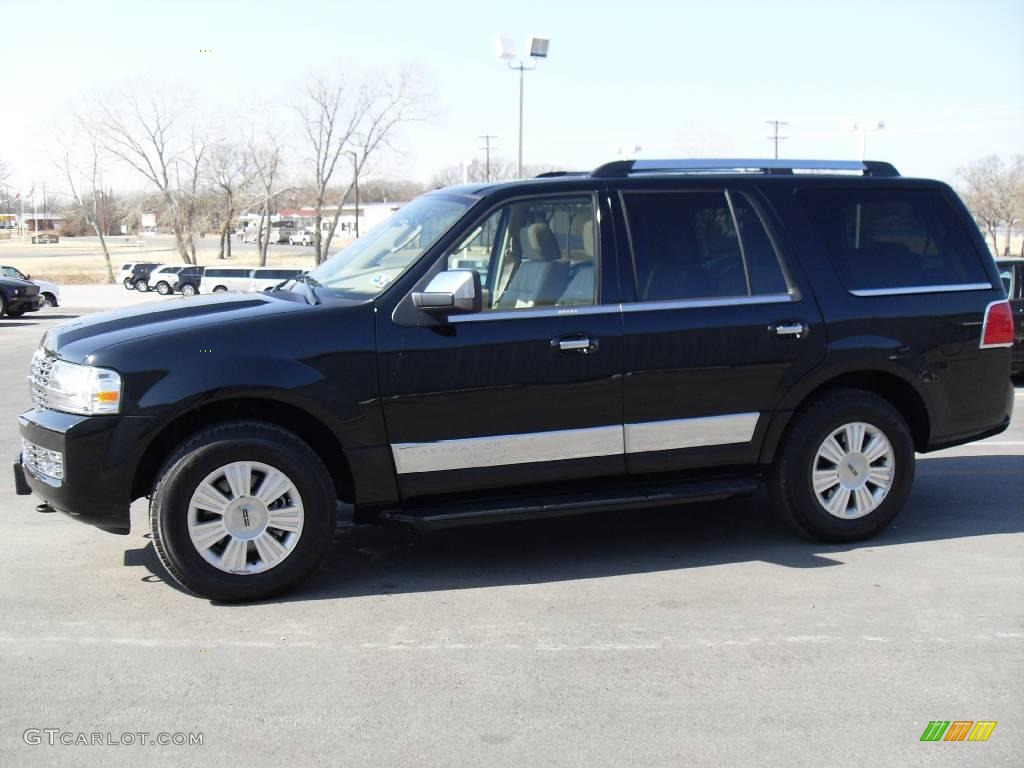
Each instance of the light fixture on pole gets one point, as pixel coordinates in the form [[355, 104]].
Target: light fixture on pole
[[537, 48], [864, 126]]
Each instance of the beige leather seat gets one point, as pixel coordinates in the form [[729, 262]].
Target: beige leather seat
[[580, 290], [541, 277]]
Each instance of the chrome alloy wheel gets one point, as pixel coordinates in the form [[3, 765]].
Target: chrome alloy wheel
[[245, 517], [852, 471]]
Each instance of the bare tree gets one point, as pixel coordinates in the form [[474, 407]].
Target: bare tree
[[346, 123], [231, 175], [153, 135], [993, 193], [265, 154], [81, 168], [5, 173]]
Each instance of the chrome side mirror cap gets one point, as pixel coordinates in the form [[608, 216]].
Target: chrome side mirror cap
[[456, 291]]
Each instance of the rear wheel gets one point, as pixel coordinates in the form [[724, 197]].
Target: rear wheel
[[220, 289], [188, 290], [141, 286], [845, 469], [243, 511], [49, 300]]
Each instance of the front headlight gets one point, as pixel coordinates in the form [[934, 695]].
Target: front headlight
[[83, 389]]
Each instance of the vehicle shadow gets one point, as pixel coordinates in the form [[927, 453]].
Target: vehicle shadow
[[369, 560]]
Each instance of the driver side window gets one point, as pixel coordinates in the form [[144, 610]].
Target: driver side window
[[534, 254]]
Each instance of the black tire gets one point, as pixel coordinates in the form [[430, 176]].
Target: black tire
[[791, 480], [163, 288], [3, 306], [188, 290], [220, 289], [50, 299], [128, 284], [214, 448], [141, 286]]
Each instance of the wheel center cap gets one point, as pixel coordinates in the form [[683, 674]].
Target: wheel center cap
[[853, 471], [246, 518]]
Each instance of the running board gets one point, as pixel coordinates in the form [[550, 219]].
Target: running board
[[555, 505]]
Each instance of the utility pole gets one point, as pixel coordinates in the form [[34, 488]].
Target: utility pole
[[487, 154], [775, 138]]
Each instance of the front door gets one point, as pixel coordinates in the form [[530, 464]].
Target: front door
[[719, 330], [527, 391]]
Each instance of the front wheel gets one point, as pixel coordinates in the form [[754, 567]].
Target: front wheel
[[219, 289], [243, 511], [142, 286], [188, 290], [163, 288], [845, 468], [128, 285]]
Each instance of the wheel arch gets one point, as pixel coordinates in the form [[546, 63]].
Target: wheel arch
[[888, 385], [287, 416]]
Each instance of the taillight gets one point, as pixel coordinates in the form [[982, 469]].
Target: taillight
[[997, 330]]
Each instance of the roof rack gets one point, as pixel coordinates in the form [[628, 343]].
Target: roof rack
[[558, 174], [623, 168]]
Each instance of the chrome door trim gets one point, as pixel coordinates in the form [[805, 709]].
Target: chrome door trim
[[567, 444], [703, 431], [911, 289], [734, 301], [504, 450], [511, 314]]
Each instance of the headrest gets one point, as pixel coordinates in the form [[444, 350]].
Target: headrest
[[542, 245]]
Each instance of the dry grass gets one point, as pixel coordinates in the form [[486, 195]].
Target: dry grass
[[71, 263]]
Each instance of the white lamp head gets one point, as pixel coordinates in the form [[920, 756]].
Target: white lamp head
[[504, 48]]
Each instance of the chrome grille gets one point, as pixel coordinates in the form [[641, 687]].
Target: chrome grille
[[42, 463], [30, 290], [39, 377]]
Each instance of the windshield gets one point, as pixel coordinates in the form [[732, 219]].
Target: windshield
[[366, 267]]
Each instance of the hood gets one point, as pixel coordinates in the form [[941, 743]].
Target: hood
[[77, 339], [11, 282]]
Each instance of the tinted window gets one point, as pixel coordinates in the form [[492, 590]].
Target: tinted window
[[227, 273], [686, 246], [880, 239]]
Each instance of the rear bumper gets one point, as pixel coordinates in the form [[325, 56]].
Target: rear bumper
[[97, 462], [999, 413]]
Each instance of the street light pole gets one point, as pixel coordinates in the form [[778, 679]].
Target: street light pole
[[538, 49]]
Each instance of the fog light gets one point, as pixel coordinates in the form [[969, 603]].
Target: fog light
[[43, 463]]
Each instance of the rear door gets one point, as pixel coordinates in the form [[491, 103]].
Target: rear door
[[719, 329]]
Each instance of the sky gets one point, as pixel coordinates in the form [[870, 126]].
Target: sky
[[679, 78]]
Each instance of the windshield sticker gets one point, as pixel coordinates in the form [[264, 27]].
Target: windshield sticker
[[380, 280]]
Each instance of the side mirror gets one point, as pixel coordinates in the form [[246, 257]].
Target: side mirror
[[454, 292]]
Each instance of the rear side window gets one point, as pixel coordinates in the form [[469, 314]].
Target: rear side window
[[891, 239], [227, 273], [700, 245]]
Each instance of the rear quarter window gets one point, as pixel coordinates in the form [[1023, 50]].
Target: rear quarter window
[[878, 239]]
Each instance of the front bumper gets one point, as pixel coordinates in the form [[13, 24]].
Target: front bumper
[[25, 303], [99, 458]]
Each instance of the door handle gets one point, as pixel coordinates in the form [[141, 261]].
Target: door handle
[[582, 344], [789, 329]]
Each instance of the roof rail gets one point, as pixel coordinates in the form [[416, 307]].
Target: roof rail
[[623, 168], [558, 174]]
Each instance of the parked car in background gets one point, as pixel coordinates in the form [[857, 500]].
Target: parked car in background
[[161, 279], [187, 281], [45, 237], [50, 291], [220, 279], [1011, 271], [268, 277], [305, 237], [139, 277], [124, 274], [18, 297]]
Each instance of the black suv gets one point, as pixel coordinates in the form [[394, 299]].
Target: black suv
[[188, 280], [644, 334], [138, 279], [18, 297]]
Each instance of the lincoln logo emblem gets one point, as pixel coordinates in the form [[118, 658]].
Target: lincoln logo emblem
[[854, 471], [245, 516]]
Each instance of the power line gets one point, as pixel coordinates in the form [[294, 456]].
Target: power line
[[775, 138], [487, 154]]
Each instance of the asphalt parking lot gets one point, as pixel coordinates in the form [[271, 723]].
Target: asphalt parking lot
[[701, 635]]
